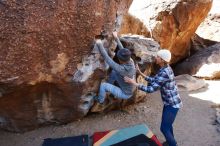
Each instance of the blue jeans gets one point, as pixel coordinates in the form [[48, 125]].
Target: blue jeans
[[116, 91], [168, 117]]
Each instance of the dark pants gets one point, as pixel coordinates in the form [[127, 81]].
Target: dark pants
[[168, 117]]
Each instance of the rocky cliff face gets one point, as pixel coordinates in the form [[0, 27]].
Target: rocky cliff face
[[170, 22], [42, 45], [209, 29], [45, 40]]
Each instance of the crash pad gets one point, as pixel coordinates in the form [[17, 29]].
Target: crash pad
[[111, 137], [82, 140]]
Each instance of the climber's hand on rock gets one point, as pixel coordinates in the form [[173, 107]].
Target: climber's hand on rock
[[98, 42], [115, 34]]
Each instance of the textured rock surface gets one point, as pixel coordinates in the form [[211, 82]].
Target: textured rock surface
[[188, 83], [204, 63], [199, 43], [172, 22], [208, 32], [42, 44], [209, 29], [132, 25], [44, 40], [142, 48]]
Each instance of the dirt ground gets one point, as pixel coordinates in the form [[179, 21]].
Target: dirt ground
[[194, 125]]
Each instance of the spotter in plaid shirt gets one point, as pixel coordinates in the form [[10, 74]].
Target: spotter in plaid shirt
[[164, 81]]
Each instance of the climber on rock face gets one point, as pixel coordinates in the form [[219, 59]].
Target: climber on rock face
[[125, 67]]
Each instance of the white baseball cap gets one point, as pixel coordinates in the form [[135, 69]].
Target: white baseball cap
[[164, 54]]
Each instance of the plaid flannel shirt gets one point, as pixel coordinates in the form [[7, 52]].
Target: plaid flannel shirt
[[164, 80]]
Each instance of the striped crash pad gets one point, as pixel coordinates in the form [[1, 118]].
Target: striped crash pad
[[112, 137]]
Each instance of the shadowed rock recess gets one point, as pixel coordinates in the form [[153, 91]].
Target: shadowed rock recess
[[203, 64], [42, 45]]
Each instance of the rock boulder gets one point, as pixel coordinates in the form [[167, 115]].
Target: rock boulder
[[204, 64], [42, 45], [171, 23]]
